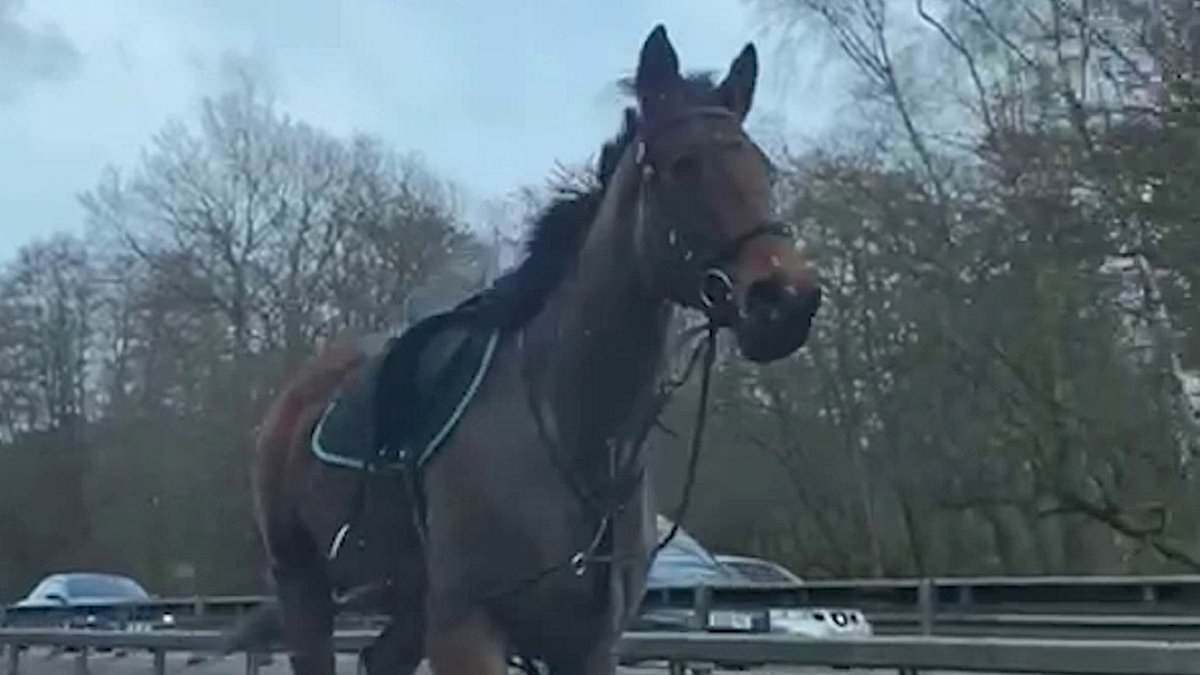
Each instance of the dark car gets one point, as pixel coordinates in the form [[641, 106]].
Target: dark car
[[88, 599], [64, 590]]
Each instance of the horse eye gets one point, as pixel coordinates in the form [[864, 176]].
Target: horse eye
[[687, 166]]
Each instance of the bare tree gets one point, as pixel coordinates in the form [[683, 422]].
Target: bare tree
[[47, 301], [975, 372]]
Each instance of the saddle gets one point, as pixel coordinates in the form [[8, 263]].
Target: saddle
[[403, 403]]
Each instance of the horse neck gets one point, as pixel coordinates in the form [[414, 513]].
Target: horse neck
[[610, 333]]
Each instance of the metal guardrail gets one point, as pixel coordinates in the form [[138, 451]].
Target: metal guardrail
[[1028, 591], [1051, 626], [906, 654], [1124, 589], [1134, 622], [1054, 594], [1126, 608]]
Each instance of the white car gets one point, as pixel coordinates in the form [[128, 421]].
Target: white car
[[757, 569], [685, 564], [816, 622], [820, 623]]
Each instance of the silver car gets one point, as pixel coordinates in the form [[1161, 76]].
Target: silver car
[[817, 622]]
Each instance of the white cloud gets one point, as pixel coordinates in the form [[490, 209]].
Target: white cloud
[[491, 94], [31, 53]]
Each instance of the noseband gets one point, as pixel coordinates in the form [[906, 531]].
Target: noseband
[[715, 287]]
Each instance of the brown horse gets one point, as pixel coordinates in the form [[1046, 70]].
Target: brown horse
[[526, 525]]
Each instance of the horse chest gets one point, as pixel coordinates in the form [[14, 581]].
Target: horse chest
[[512, 549]]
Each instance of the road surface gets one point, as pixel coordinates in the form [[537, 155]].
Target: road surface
[[42, 662]]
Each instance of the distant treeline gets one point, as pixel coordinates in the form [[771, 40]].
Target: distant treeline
[[1007, 228]]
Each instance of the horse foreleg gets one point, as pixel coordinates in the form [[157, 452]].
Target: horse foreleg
[[472, 646], [399, 648], [306, 599]]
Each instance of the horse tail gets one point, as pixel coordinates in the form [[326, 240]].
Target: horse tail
[[256, 631], [276, 437], [275, 445]]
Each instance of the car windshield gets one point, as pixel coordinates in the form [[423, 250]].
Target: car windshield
[[103, 586], [760, 572], [684, 562]]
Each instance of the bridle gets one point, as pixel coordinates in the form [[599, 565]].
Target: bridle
[[713, 294]]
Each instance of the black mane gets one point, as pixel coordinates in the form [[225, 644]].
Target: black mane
[[555, 237], [558, 231]]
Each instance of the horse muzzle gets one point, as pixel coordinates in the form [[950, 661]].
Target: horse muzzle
[[774, 320]]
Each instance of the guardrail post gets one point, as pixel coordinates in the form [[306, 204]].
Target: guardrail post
[[925, 603], [160, 662], [81, 661], [253, 663], [966, 596], [14, 659], [701, 607]]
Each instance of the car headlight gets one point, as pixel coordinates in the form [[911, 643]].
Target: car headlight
[[168, 619]]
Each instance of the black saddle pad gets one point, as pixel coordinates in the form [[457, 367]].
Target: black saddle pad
[[409, 396]]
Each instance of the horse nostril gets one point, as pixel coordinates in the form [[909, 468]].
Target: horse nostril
[[763, 295], [812, 300], [771, 299], [776, 318]]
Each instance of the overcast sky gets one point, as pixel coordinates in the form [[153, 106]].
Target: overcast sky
[[492, 94]]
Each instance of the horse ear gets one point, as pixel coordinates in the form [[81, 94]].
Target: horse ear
[[658, 67], [736, 91]]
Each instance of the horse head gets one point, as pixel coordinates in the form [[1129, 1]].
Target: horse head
[[704, 234]]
